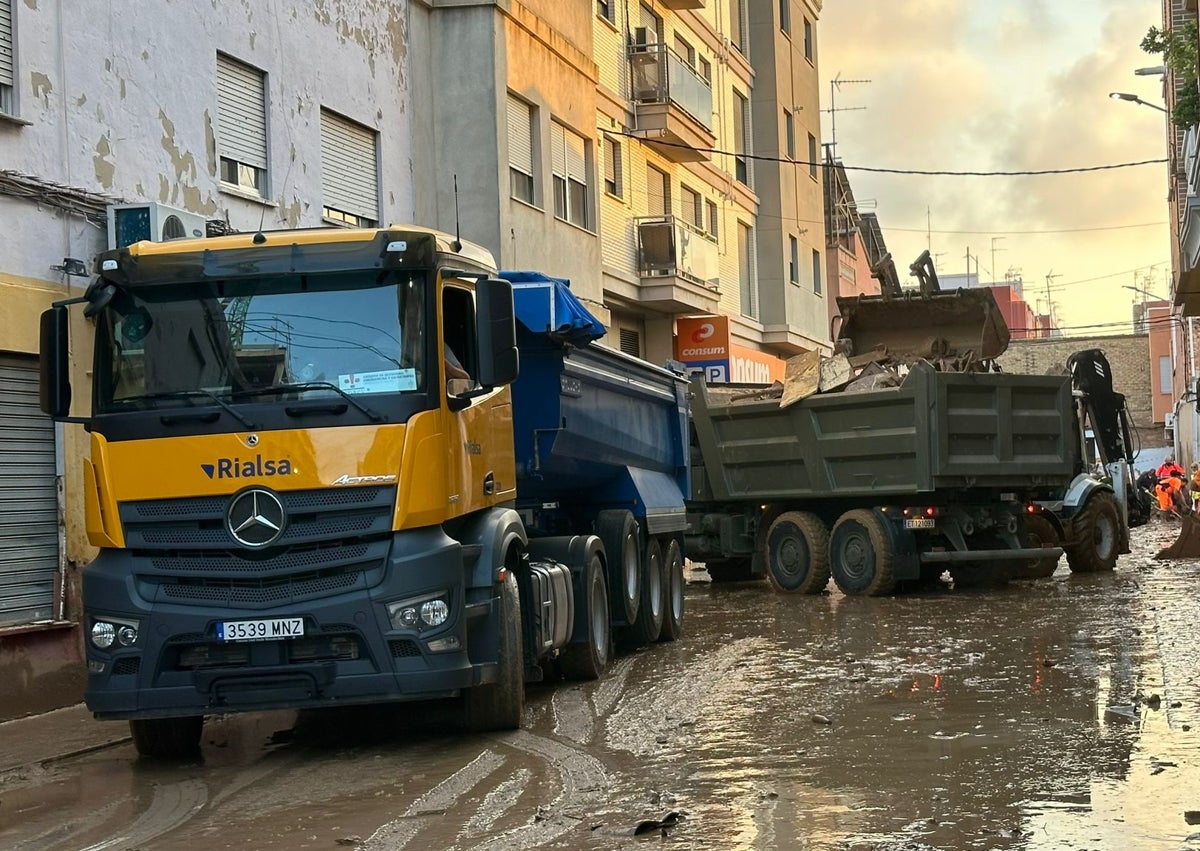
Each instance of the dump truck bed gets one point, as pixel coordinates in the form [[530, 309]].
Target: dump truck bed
[[937, 431]]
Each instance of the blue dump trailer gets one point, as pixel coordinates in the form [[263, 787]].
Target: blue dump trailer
[[602, 463]]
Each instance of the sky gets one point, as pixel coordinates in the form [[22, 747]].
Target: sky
[[1007, 85]]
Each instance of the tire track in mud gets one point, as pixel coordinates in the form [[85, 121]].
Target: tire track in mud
[[422, 812], [645, 715], [573, 715], [583, 779], [62, 834], [611, 687], [496, 803], [171, 806]]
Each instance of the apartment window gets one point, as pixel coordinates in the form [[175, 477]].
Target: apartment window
[[816, 271], [812, 155], [658, 192], [349, 171], [741, 124], [242, 123], [794, 260], [745, 259], [568, 155], [685, 51], [650, 27], [785, 16], [612, 167], [630, 342], [737, 24], [714, 219], [1164, 374], [7, 58], [808, 40], [691, 207], [520, 150], [606, 9], [789, 127], [705, 69]]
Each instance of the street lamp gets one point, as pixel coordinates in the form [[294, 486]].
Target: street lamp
[[1133, 99], [1143, 292]]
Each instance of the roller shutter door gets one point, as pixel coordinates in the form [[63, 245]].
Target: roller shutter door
[[28, 497]]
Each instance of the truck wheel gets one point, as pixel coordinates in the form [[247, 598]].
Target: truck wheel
[[797, 554], [650, 611], [729, 569], [672, 626], [860, 555], [1037, 531], [498, 705], [618, 530], [167, 738], [588, 659], [1094, 536]]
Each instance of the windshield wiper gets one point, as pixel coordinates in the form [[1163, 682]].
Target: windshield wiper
[[193, 394], [300, 387]]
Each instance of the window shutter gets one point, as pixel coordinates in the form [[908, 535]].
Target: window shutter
[[576, 158], [6, 43], [656, 199], [349, 179], [520, 135], [558, 153], [241, 112]]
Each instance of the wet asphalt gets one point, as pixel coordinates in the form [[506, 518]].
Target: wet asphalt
[[1062, 713]]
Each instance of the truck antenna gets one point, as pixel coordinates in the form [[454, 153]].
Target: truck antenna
[[457, 244]]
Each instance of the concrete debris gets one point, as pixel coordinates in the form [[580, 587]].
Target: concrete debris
[[660, 826]]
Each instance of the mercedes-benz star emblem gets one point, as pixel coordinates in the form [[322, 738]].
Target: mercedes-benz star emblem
[[255, 518]]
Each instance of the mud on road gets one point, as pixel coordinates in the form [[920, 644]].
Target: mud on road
[[1062, 713]]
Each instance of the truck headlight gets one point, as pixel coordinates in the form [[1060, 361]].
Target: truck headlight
[[108, 631], [428, 610]]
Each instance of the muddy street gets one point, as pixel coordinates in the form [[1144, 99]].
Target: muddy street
[[1063, 713]]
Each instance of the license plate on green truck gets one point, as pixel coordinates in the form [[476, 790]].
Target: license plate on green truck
[[919, 523], [260, 630]]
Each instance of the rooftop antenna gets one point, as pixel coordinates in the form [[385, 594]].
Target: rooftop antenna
[[457, 244], [835, 85]]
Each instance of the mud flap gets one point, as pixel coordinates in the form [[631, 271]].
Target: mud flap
[[906, 563], [1187, 545]]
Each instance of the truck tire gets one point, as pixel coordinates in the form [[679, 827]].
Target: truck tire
[[860, 555], [797, 553], [498, 705], [729, 569], [650, 610], [167, 738], [588, 659], [618, 530], [1037, 531], [672, 626], [1093, 541]]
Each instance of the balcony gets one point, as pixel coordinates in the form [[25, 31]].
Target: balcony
[[1187, 290], [674, 104], [679, 266], [679, 5]]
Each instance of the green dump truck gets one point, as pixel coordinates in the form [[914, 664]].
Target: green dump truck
[[978, 473]]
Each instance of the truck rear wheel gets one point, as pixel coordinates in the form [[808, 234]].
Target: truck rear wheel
[[672, 626], [588, 659], [797, 554], [618, 530], [1037, 531], [1093, 541], [860, 555], [167, 738], [650, 612], [498, 705]]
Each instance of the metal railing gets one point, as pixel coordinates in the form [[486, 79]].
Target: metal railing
[[669, 246], [659, 76]]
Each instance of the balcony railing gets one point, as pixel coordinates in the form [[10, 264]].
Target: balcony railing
[[1191, 159], [669, 246], [659, 76]]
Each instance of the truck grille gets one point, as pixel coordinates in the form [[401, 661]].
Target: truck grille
[[335, 541]]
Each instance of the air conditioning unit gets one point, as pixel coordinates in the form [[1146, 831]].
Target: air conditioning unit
[[130, 223], [1169, 424]]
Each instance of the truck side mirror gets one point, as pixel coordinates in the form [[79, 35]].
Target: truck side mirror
[[497, 330], [55, 363]]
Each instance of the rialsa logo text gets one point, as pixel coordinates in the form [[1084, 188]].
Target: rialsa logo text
[[239, 468]]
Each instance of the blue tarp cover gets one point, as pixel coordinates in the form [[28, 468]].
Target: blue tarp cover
[[546, 305]]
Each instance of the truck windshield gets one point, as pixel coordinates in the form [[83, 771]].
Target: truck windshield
[[307, 335]]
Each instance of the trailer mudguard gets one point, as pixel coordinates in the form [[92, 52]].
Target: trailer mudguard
[[906, 561]]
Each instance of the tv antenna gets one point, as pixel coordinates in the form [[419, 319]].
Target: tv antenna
[[835, 86]]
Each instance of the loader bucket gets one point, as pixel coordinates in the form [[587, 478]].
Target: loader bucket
[[1187, 545], [911, 326]]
